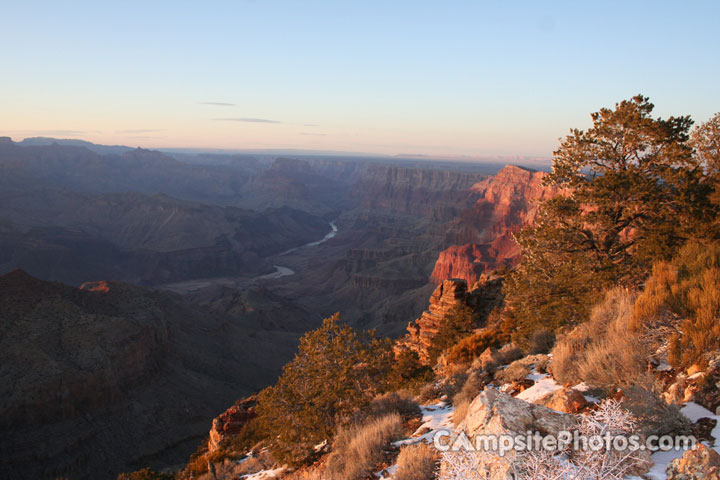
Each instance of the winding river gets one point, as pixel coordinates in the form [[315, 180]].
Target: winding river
[[281, 271]]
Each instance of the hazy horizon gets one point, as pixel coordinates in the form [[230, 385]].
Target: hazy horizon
[[443, 80]]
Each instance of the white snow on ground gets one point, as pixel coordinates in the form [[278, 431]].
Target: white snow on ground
[[584, 387], [264, 474], [661, 460], [435, 417], [694, 412], [541, 388]]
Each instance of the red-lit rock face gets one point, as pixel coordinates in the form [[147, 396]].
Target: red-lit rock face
[[100, 286], [231, 422], [484, 233]]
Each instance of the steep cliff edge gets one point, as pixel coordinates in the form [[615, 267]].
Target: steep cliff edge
[[481, 297], [482, 234]]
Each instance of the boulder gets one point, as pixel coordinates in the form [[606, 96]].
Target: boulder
[[699, 463], [566, 400], [496, 413]]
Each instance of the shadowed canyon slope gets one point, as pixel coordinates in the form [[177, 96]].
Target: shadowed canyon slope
[[120, 375], [96, 382]]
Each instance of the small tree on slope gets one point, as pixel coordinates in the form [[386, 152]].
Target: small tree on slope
[[336, 371]]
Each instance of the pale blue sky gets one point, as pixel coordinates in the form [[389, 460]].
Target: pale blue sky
[[456, 78]]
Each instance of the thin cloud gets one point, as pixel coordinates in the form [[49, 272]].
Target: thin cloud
[[246, 120], [218, 104], [311, 125], [314, 134]]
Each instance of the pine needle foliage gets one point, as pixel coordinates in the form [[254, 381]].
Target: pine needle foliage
[[336, 372], [630, 192]]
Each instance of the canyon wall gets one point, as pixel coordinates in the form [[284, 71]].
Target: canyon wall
[[483, 233]]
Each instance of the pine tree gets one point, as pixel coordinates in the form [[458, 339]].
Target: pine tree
[[631, 191], [336, 371]]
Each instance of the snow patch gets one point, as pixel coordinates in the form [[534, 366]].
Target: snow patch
[[541, 388], [265, 474]]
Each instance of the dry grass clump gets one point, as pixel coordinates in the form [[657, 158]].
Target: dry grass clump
[[472, 388], [358, 449], [541, 341], [659, 289], [469, 348], [603, 352], [309, 473], [401, 402], [515, 372], [416, 462], [687, 288]]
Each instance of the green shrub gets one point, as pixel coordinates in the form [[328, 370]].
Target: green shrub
[[407, 372], [461, 322], [336, 372]]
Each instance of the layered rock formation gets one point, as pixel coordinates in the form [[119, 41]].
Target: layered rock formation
[[231, 422], [482, 297], [436, 194], [483, 232]]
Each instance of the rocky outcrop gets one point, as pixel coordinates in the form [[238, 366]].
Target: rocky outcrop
[[468, 262], [482, 297], [496, 413], [483, 233], [700, 463], [231, 422]]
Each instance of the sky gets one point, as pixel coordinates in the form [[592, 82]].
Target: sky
[[474, 78]]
